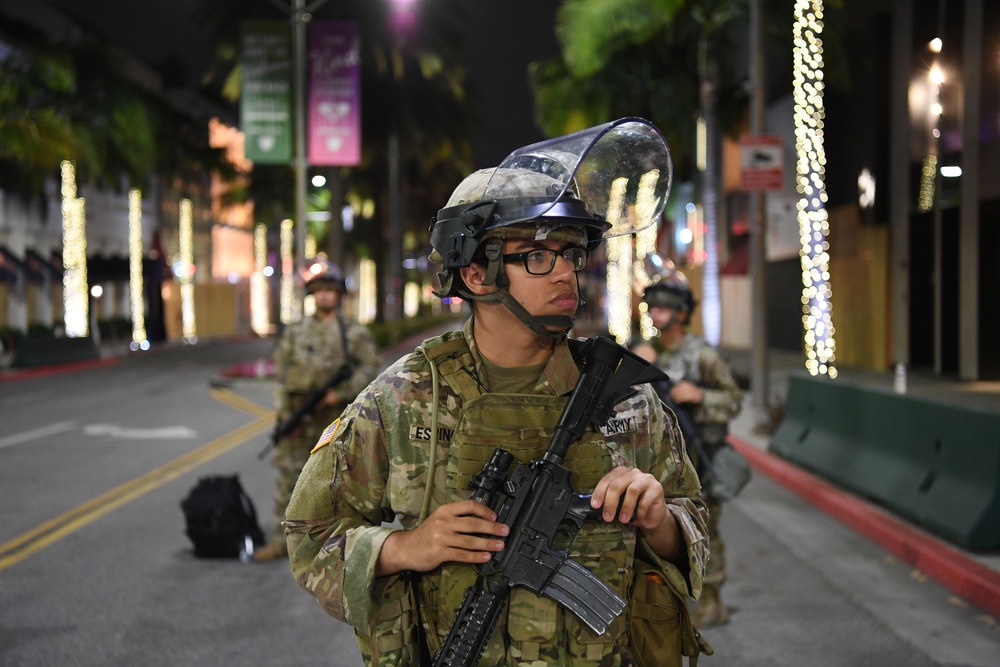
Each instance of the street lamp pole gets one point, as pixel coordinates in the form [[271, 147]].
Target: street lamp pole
[[759, 379], [299, 19]]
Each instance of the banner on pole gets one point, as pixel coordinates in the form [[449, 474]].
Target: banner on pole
[[761, 161], [334, 93], [266, 98]]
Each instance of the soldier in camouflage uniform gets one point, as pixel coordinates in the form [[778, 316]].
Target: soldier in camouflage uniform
[[703, 384], [306, 357], [381, 530]]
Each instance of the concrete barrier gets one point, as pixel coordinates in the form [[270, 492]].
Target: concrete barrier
[[936, 464]]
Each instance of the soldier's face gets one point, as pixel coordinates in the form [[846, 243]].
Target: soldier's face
[[555, 293], [665, 317], [327, 299]]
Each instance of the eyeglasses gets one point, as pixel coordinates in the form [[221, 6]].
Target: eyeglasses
[[541, 261]]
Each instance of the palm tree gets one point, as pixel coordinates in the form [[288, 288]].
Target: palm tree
[[602, 39], [70, 102]]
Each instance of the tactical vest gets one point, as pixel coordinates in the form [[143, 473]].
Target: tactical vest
[[538, 628]]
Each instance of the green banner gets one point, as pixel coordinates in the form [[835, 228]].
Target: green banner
[[266, 99]]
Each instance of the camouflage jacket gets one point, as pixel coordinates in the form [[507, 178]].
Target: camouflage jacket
[[310, 352], [370, 468], [695, 360]]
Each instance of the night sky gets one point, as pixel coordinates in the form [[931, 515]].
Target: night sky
[[504, 37]]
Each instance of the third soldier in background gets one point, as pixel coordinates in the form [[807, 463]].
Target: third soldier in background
[[307, 356], [702, 383]]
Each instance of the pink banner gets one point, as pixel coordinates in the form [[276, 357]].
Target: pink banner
[[334, 93]]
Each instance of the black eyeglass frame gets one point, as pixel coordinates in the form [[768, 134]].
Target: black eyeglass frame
[[577, 258]]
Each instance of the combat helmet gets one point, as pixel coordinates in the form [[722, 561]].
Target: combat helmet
[[605, 181], [321, 271], [668, 287]]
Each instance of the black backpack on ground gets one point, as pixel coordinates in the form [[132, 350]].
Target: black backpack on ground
[[221, 520]]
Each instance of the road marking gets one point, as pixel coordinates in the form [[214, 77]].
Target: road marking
[[125, 433], [55, 529], [37, 433], [234, 400]]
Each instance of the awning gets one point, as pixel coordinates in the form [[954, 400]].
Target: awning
[[36, 262], [6, 275], [10, 265]]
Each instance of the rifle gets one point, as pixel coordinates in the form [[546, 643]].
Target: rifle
[[535, 500], [282, 429]]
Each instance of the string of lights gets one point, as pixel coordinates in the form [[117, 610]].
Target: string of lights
[[814, 226], [186, 251], [260, 322], [75, 293], [139, 339]]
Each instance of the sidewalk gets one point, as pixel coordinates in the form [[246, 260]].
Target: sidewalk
[[972, 576]]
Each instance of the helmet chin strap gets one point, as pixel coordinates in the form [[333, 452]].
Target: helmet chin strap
[[536, 323]]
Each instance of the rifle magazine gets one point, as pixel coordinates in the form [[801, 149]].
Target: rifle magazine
[[585, 594]]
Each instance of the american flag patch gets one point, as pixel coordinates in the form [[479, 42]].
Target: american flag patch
[[327, 437]]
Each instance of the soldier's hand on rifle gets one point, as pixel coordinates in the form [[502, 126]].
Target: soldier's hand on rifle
[[638, 497], [462, 532], [687, 392], [331, 399]]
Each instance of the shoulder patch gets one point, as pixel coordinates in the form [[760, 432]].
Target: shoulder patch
[[327, 436]]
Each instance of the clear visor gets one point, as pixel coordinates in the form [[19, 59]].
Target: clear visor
[[621, 171]]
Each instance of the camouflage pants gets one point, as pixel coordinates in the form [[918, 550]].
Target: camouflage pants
[[715, 571]]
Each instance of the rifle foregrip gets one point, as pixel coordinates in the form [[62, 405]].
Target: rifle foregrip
[[472, 628]]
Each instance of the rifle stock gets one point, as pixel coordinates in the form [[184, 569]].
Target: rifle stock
[[535, 500], [282, 429]]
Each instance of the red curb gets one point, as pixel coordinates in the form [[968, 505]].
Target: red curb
[[972, 581], [41, 371]]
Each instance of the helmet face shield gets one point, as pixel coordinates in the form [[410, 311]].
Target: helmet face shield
[[620, 171], [668, 287], [608, 180]]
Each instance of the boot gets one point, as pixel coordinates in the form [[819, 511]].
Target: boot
[[710, 610], [271, 551]]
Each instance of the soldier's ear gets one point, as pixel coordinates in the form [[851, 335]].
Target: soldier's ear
[[473, 277]]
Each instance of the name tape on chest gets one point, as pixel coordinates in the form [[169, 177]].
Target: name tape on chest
[[419, 433]]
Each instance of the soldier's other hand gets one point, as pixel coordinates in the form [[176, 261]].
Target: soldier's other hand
[[637, 496], [687, 392], [329, 400], [462, 532]]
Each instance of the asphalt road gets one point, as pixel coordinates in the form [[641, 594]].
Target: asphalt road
[[95, 568]]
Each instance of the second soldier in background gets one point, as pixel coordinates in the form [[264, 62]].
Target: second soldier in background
[[702, 383], [308, 354]]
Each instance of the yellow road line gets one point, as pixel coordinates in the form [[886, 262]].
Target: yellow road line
[[234, 400], [55, 529]]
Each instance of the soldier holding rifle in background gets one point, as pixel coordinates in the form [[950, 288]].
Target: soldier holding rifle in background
[[511, 240], [308, 355], [702, 383]]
